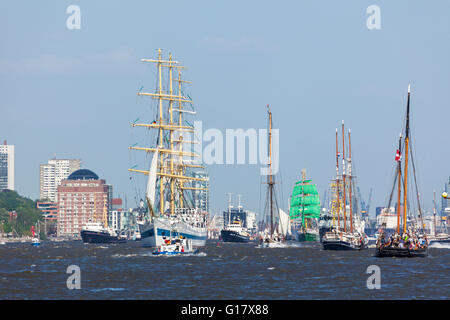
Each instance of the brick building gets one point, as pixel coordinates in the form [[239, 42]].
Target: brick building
[[82, 197]]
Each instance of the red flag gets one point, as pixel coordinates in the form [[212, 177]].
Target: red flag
[[398, 156], [32, 230]]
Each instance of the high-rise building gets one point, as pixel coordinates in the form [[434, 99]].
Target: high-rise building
[[52, 173], [6, 166], [201, 195], [82, 198]]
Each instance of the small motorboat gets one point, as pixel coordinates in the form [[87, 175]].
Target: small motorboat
[[35, 242], [175, 246]]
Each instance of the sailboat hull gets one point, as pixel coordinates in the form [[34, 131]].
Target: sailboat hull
[[307, 236], [154, 233], [400, 252], [340, 245], [232, 236]]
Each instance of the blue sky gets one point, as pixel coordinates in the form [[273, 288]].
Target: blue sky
[[73, 92]]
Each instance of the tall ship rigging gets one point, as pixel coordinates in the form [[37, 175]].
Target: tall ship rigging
[[407, 240], [347, 232], [304, 209], [275, 236], [173, 170]]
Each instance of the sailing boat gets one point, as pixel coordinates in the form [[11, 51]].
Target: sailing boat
[[406, 241], [305, 205], [35, 242], [349, 233], [273, 238], [172, 169]]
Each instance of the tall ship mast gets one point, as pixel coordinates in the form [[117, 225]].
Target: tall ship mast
[[305, 206], [173, 171], [347, 229], [407, 240], [276, 236]]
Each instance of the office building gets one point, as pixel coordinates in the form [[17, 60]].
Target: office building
[[6, 166], [51, 175]]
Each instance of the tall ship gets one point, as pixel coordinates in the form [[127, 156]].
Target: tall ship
[[275, 235], [235, 224], [175, 171], [305, 209], [94, 232], [347, 232], [409, 238]]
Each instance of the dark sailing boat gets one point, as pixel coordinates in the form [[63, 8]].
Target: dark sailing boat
[[410, 241]]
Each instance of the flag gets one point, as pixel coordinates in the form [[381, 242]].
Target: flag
[[398, 156]]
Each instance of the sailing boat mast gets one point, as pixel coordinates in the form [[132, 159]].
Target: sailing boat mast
[[270, 177], [399, 178], [167, 169], [344, 201], [434, 212], [337, 182], [405, 187], [350, 179]]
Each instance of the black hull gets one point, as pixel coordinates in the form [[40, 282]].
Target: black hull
[[340, 245], [401, 252], [99, 237], [322, 232], [232, 236]]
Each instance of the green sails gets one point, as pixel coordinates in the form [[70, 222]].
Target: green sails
[[305, 202]]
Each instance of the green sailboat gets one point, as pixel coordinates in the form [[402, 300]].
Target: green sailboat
[[304, 209]]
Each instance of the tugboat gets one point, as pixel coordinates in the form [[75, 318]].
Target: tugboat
[[94, 232], [175, 246], [234, 231], [408, 241]]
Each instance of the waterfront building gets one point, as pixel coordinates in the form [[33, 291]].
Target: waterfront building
[[6, 166], [82, 197], [49, 210], [51, 175], [387, 217]]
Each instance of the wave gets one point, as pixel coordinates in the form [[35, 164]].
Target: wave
[[438, 245]]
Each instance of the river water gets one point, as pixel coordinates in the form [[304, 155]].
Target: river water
[[220, 271]]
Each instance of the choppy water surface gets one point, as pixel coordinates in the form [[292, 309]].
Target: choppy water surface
[[221, 271]]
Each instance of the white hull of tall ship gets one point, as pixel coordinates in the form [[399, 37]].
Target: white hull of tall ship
[[154, 233]]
